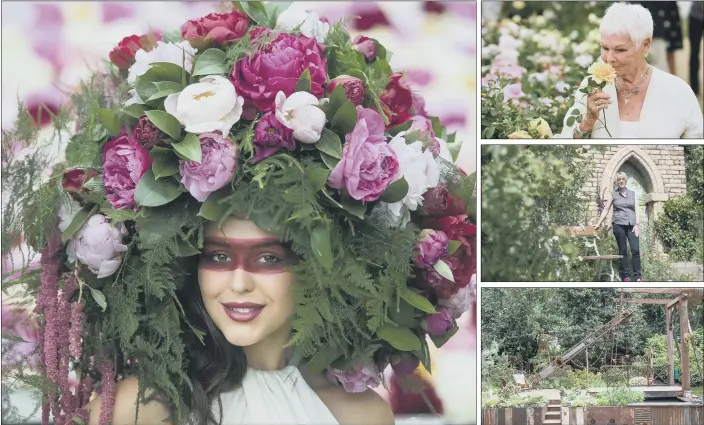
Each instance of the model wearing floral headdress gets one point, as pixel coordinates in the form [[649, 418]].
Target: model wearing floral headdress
[[244, 212]]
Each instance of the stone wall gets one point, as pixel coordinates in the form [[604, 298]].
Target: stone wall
[[662, 167]]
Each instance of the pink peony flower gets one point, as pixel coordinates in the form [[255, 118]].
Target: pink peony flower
[[368, 164], [146, 133], [460, 302], [422, 129], [216, 28], [432, 245], [216, 168], [464, 260], [98, 245], [357, 379], [397, 100], [354, 88], [270, 136], [418, 105], [18, 323], [124, 164], [513, 91], [366, 46], [439, 323], [277, 66]]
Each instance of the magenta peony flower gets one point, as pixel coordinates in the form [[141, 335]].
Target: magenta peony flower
[[368, 164], [354, 88], [439, 323], [417, 105], [277, 67], [125, 162], [270, 136], [397, 100], [98, 245], [74, 179], [216, 28], [432, 245], [216, 168], [146, 133], [460, 302], [366, 46], [357, 379], [437, 202]]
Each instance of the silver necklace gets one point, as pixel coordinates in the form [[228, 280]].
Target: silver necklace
[[627, 93]]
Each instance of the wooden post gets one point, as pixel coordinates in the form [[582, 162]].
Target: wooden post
[[586, 352], [684, 348], [670, 349]]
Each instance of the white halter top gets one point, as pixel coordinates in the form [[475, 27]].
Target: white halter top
[[273, 397]]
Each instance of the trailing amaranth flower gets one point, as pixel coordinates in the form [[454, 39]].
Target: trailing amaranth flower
[[107, 393], [76, 329], [357, 378], [98, 245]]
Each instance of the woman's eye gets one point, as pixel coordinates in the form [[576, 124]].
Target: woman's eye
[[219, 258], [268, 259]]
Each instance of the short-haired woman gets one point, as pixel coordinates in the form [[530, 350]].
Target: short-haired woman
[[645, 101], [625, 224]]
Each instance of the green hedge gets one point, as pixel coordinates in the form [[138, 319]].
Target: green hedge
[[681, 229]]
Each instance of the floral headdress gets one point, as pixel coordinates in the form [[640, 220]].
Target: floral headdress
[[277, 116]]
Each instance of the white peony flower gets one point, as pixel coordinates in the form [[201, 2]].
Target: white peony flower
[[67, 213], [308, 22], [300, 113], [445, 153], [210, 105], [163, 52], [418, 167]]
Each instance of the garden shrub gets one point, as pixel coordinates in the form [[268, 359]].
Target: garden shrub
[[578, 399], [681, 229], [694, 171], [619, 396], [658, 345], [516, 401]]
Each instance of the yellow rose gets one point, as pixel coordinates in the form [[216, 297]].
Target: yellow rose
[[520, 134], [601, 72], [542, 127], [518, 5]]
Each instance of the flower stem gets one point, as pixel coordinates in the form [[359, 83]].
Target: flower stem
[[604, 122]]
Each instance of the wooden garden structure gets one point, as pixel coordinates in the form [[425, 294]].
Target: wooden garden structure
[[590, 234]]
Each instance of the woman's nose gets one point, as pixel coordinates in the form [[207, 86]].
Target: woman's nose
[[241, 281]]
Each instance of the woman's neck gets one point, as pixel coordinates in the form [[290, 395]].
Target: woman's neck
[[633, 75], [269, 353], [622, 189]]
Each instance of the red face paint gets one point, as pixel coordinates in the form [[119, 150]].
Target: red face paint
[[264, 256]]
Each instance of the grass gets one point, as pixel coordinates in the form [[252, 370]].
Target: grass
[[698, 390]]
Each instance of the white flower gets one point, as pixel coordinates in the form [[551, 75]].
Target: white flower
[[562, 87], [418, 167], [67, 213], [163, 52], [300, 113], [506, 42], [461, 301], [445, 153], [539, 76], [210, 105], [541, 126], [308, 22], [584, 60]]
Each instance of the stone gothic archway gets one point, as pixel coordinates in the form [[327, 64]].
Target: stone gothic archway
[[654, 188]]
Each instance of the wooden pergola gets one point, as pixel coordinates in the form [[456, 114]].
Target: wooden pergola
[[681, 303]]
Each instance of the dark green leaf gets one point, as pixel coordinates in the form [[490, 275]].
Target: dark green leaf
[[329, 200], [489, 132], [570, 121], [345, 118], [337, 98], [212, 61], [354, 207], [185, 249], [320, 243], [166, 123], [379, 49], [402, 339], [303, 83], [439, 341], [151, 192], [317, 177], [274, 9], [323, 359], [395, 192], [78, 221], [135, 110], [168, 85], [405, 316], [162, 154], [164, 169], [424, 355], [99, 298], [189, 148], [330, 161], [169, 71], [255, 10], [212, 209], [161, 94], [416, 300], [330, 143], [575, 112], [110, 121]]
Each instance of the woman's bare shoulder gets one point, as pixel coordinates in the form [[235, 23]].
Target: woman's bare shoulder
[[125, 410], [367, 407]]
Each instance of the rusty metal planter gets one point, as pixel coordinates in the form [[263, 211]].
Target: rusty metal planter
[[633, 415], [514, 416]]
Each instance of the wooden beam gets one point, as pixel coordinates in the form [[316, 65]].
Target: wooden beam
[[670, 350], [677, 291], [676, 300], [643, 300], [684, 348]]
